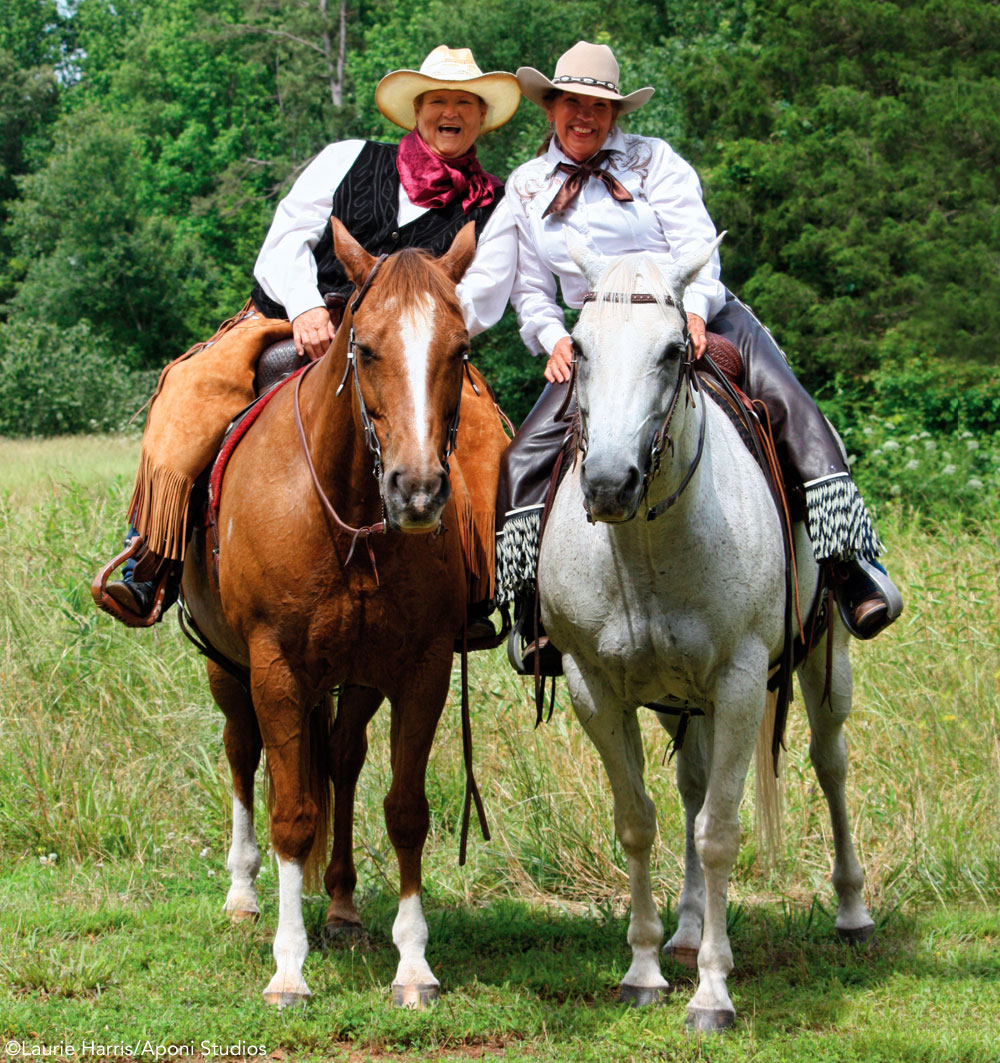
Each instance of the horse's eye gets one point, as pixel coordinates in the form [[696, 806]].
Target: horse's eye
[[461, 352], [578, 352], [366, 354], [676, 349]]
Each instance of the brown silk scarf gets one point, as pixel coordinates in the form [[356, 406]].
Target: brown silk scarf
[[570, 190]]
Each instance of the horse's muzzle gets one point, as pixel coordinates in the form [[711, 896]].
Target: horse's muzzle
[[414, 501], [610, 493]]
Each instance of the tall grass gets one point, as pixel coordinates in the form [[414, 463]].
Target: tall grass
[[111, 750]]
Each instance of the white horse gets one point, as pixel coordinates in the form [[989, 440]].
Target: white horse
[[685, 608]]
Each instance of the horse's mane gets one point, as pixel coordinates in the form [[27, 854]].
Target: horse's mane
[[410, 273], [621, 281]]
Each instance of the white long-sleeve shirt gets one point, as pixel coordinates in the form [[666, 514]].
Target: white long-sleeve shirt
[[286, 266], [666, 215]]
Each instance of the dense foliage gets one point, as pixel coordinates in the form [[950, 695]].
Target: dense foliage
[[850, 149]]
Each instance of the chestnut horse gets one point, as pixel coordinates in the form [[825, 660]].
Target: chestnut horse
[[304, 602]]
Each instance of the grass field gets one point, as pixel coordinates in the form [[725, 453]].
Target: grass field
[[114, 808]]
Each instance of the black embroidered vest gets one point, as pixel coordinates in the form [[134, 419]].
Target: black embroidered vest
[[367, 202]]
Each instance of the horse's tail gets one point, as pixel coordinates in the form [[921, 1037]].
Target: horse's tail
[[320, 789], [767, 786]]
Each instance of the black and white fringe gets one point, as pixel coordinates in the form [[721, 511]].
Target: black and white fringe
[[840, 525], [517, 553]]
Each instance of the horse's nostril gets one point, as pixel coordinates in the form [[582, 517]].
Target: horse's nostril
[[630, 482]]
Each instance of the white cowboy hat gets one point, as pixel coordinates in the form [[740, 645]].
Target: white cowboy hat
[[589, 69], [448, 68]]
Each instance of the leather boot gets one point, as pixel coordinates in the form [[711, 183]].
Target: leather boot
[[478, 625], [136, 597]]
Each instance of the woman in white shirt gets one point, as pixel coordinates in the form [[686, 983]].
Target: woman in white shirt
[[418, 193], [623, 193]]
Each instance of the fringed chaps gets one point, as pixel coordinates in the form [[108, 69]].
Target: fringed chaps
[[475, 470], [196, 398]]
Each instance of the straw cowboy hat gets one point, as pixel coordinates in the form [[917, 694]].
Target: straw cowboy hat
[[590, 69], [448, 68]]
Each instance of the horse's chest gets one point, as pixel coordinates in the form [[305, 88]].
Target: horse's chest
[[654, 654]]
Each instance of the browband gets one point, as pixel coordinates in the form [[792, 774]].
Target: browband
[[621, 297]]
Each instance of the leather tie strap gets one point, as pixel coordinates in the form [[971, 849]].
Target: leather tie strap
[[570, 190]]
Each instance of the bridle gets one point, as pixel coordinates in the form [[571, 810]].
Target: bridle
[[368, 429], [687, 380], [371, 436]]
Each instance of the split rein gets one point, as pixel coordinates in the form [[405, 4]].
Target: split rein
[[687, 380], [368, 427]]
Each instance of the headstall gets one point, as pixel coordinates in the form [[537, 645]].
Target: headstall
[[368, 426], [687, 379]]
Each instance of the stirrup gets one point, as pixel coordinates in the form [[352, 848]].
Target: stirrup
[[866, 584], [103, 600], [521, 651]]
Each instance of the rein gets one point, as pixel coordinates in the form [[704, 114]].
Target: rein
[[371, 439], [363, 532], [687, 379]]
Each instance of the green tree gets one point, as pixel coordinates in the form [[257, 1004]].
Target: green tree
[[93, 248], [851, 151]]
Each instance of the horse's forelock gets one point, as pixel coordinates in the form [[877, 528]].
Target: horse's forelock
[[630, 275], [411, 274]]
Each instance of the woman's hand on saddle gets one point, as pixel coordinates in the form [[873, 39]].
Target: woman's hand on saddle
[[558, 367], [696, 330], [313, 332]]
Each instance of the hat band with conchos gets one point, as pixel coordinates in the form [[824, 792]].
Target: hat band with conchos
[[609, 85]]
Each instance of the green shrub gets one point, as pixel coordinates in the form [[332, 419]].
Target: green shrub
[[940, 397], [56, 381], [940, 475]]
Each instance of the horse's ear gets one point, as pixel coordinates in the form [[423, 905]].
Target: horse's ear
[[683, 271], [463, 249], [355, 259], [591, 265]]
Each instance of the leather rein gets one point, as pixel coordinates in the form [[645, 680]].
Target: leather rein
[[687, 380], [368, 428]]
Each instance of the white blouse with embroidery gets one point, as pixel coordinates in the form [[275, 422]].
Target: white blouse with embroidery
[[666, 215], [286, 266]]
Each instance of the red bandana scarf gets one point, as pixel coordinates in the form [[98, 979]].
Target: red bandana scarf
[[431, 181]]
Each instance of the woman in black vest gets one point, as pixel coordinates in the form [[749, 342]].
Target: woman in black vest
[[418, 193]]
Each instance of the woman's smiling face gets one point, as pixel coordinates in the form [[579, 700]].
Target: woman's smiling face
[[448, 121], [581, 122]]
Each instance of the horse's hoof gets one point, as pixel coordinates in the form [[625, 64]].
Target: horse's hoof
[[683, 955], [243, 915], [345, 935], [709, 1020], [856, 935], [641, 996], [285, 999], [414, 996]]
